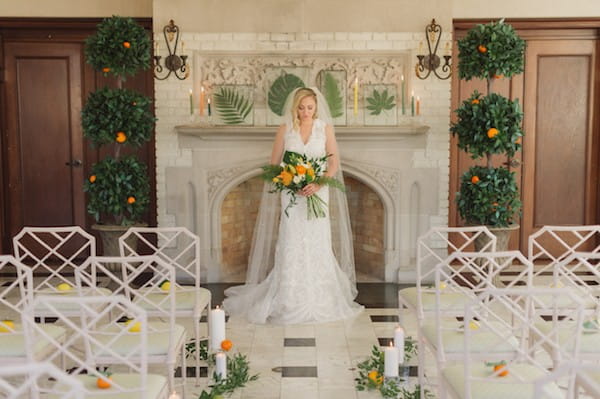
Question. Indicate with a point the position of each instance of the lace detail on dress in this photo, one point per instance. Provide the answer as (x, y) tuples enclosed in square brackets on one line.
[(306, 283)]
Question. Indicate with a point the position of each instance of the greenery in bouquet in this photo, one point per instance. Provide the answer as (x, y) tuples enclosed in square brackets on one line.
[(488, 125), (296, 172), (118, 189)]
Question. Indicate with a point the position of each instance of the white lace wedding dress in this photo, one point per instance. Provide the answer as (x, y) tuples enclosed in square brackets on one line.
[(306, 284)]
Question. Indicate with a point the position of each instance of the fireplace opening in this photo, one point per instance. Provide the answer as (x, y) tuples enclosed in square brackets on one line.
[(238, 216)]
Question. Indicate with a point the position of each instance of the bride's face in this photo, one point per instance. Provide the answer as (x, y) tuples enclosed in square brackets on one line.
[(307, 108)]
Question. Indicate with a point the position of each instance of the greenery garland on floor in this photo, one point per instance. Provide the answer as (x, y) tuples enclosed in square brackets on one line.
[(371, 375), (238, 368)]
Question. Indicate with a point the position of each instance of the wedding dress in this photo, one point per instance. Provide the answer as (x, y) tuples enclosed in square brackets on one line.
[(306, 283)]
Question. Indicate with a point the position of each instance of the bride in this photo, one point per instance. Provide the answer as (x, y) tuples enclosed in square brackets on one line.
[(300, 270)]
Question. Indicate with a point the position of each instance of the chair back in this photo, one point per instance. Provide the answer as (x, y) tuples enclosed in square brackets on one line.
[(38, 380)]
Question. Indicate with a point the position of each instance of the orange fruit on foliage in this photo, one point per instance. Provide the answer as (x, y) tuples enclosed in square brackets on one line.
[(498, 76), (375, 377), (300, 169), (475, 179), (493, 132), (103, 383), (475, 101), (482, 48), (501, 370), (121, 137), (92, 178), (226, 345), (126, 44), (106, 69), (131, 200), (518, 141)]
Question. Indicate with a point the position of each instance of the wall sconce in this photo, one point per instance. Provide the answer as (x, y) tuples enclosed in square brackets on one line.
[(431, 62), (173, 62)]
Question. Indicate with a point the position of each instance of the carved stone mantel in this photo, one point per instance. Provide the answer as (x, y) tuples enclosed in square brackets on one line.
[(381, 157)]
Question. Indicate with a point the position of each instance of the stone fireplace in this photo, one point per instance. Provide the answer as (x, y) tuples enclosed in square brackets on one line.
[(225, 163)]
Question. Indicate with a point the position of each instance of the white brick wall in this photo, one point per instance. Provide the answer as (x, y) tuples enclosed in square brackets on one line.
[(172, 96)]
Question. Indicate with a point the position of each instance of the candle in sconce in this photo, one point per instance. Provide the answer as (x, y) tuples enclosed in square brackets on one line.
[(418, 112), (355, 96), (412, 103), (208, 107), (221, 365), (182, 47), (217, 325), (399, 343), (420, 48), (390, 368), (447, 50), (191, 102), (201, 108), (403, 95)]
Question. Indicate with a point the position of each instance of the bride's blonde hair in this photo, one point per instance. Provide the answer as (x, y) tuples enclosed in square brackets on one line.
[(298, 97)]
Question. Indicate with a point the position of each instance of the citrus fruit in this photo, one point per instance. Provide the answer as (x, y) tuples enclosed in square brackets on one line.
[(126, 44), (135, 327), (131, 200), (103, 383), (7, 326), (493, 132), (482, 48), (64, 287), (475, 179), (165, 286), (226, 345), (503, 371)]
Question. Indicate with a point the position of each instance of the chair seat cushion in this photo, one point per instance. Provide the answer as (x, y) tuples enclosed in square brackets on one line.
[(13, 344), (481, 342), (66, 307), (589, 341), (156, 387), (518, 384), (187, 299), (454, 301), (158, 339)]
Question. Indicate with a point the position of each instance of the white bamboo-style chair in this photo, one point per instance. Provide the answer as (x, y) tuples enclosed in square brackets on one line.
[(505, 318), (432, 248), (14, 297), (181, 249), (578, 273), (53, 253), (38, 380), (587, 378), (139, 279), (95, 343), (464, 275)]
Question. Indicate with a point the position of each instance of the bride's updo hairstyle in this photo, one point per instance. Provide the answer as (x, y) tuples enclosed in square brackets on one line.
[(298, 97)]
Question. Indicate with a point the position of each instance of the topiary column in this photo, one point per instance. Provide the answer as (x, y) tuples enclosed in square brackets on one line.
[(118, 188), (489, 125)]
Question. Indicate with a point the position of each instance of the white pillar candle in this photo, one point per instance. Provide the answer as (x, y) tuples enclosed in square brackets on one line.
[(399, 343), (391, 361), (221, 365), (217, 328)]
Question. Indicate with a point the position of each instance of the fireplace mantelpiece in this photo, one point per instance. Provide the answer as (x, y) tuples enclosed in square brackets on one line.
[(381, 157)]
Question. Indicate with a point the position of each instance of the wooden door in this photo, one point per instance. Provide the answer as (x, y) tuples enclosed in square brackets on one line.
[(560, 149), (44, 143)]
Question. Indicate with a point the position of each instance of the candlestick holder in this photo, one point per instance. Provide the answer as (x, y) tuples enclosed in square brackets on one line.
[(428, 63), (173, 63)]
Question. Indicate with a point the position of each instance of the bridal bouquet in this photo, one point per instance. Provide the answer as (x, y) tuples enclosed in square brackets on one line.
[(294, 173)]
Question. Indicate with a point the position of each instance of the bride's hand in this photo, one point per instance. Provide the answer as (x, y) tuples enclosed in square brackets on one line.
[(310, 189)]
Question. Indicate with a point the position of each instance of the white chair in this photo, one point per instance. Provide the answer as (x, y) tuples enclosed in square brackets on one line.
[(95, 342), (14, 297), (181, 249), (139, 279), (35, 380), (458, 280), (506, 317), (53, 253)]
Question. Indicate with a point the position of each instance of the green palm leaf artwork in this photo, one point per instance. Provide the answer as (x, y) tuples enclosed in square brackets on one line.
[(333, 96), (379, 102), (232, 106), (281, 89)]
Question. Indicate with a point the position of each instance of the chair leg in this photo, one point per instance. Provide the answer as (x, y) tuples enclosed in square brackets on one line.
[(421, 366), (183, 371), (197, 345)]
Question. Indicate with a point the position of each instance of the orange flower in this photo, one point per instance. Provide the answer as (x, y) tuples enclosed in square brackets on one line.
[(226, 345), (286, 177), (300, 169), (482, 48), (493, 132), (375, 377), (121, 137), (475, 101), (475, 179), (92, 178), (106, 69), (131, 200), (126, 44)]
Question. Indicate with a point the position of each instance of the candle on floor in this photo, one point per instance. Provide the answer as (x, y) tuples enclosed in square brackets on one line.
[(391, 361), (217, 328), (355, 96), (221, 365), (208, 107), (399, 343), (418, 105), (402, 90), (191, 102), (412, 103)]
